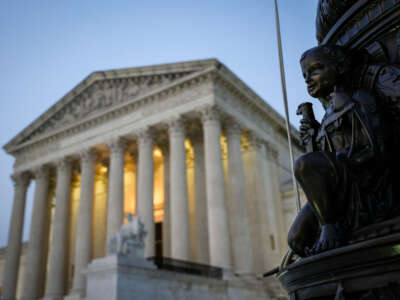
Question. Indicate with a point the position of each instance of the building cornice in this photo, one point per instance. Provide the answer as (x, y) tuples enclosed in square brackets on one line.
[(215, 72), (253, 100)]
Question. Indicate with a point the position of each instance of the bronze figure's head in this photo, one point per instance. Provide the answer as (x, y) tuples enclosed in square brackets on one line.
[(324, 68)]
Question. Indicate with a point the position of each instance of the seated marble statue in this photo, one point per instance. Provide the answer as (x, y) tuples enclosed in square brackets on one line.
[(346, 177), (129, 239)]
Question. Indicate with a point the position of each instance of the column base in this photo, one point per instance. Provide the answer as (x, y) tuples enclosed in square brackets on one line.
[(53, 297), (74, 297)]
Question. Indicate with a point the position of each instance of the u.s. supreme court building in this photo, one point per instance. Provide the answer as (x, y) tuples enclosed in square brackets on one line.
[(188, 147)]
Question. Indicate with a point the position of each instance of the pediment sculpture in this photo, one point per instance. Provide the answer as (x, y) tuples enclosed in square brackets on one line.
[(100, 96)]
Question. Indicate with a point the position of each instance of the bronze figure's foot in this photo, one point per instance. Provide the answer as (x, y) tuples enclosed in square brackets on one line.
[(331, 237)]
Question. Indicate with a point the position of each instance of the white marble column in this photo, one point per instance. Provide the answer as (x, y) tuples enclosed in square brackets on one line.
[(238, 210), (134, 156), (83, 244), (202, 240), (218, 228), (145, 207), (261, 239), (38, 238), (166, 231), (115, 201), (180, 248), (13, 251), (59, 239), (273, 196)]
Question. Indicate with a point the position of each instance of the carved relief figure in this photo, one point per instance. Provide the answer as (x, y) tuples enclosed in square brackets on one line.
[(346, 176)]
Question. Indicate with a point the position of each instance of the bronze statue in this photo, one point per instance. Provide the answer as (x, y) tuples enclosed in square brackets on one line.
[(346, 177), (349, 171)]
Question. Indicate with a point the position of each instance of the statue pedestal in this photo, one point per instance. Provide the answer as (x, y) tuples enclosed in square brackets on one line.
[(369, 269), (126, 278), (126, 274), (110, 277)]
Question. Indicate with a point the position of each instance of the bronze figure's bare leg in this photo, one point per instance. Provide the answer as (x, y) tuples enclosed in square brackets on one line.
[(322, 178), (306, 222)]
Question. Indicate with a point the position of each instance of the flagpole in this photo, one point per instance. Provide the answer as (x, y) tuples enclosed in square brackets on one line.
[(285, 102)]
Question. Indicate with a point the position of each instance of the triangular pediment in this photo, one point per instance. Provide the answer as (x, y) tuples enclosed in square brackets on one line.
[(100, 91)]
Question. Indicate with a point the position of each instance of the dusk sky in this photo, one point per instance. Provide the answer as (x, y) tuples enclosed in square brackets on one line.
[(47, 47)]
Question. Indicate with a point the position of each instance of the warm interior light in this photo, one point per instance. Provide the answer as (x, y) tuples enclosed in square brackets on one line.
[(157, 153), (103, 169), (187, 145)]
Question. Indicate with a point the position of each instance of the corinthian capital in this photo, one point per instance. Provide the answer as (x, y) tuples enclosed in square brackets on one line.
[(210, 113), (145, 136), (64, 163), (41, 172), (176, 125), (117, 145), (88, 155), (232, 127), (21, 179), (256, 141)]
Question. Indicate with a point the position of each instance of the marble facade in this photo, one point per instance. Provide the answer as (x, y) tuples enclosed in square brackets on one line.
[(187, 146)]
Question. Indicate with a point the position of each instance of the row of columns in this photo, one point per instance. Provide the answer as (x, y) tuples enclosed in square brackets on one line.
[(212, 222)]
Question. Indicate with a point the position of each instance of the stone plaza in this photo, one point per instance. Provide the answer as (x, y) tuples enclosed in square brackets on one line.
[(188, 147)]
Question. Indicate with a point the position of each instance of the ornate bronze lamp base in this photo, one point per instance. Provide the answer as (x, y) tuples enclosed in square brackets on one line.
[(368, 270)]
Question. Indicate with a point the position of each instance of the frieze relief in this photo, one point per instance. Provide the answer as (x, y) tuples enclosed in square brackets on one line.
[(102, 95), (34, 152)]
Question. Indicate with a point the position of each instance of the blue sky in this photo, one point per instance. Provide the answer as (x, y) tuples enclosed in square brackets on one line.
[(47, 47)]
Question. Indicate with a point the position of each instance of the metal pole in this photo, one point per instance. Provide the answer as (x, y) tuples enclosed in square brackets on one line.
[(285, 102)]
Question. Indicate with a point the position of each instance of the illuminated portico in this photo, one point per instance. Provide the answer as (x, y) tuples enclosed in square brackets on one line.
[(164, 143)]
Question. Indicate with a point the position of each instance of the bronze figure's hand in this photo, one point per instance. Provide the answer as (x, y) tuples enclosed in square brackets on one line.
[(308, 129), (309, 126)]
